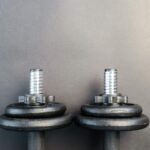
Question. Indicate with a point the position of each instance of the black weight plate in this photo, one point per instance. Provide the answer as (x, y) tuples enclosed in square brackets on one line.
[(114, 124), (22, 110), (123, 110), (38, 124)]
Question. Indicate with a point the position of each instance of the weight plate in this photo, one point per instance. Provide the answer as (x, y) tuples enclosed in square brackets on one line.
[(37, 124), (123, 110), (116, 124), (22, 110)]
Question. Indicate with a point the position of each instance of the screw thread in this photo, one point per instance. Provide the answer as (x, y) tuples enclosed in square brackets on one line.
[(36, 81), (110, 81)]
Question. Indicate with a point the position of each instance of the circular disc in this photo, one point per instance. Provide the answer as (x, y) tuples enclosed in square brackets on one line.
[(116, 124), (28, 111), (34, 124), (124, 110)]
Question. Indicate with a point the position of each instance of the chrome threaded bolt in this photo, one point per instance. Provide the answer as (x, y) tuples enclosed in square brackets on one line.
[(36, 95), (36, 81), (110, 95), (110, 82)]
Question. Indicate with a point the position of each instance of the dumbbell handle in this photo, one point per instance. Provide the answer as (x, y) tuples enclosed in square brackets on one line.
[(36, 141), (111, 140)]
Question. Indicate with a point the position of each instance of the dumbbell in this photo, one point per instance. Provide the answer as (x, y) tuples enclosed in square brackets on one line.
[(110, 112), (35, 113)]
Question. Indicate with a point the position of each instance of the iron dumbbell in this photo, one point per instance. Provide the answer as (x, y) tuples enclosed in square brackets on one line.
[(35, 113), (110, 112)]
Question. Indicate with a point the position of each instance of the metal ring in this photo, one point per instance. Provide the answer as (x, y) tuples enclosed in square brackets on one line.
[(114, 124), (122, 110), (28, 111), (37, 124)]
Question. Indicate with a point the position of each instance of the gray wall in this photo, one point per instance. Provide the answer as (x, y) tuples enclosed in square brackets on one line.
[(73, 41)]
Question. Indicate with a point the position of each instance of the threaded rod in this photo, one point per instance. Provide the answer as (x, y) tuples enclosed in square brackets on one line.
[(110, 81), (36, 81)]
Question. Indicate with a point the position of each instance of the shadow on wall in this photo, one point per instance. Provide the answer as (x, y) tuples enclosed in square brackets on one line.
[(9, 141)]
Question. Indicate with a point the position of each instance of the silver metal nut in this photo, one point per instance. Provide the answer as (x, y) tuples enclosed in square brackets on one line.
[(110, 99), (34, 99)]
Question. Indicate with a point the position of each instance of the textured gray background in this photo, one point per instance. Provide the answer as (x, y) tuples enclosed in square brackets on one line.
[(73, 41)]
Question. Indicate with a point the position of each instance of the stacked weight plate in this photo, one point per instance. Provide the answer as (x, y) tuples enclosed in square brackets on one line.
[(25, 117), (113, 117)]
